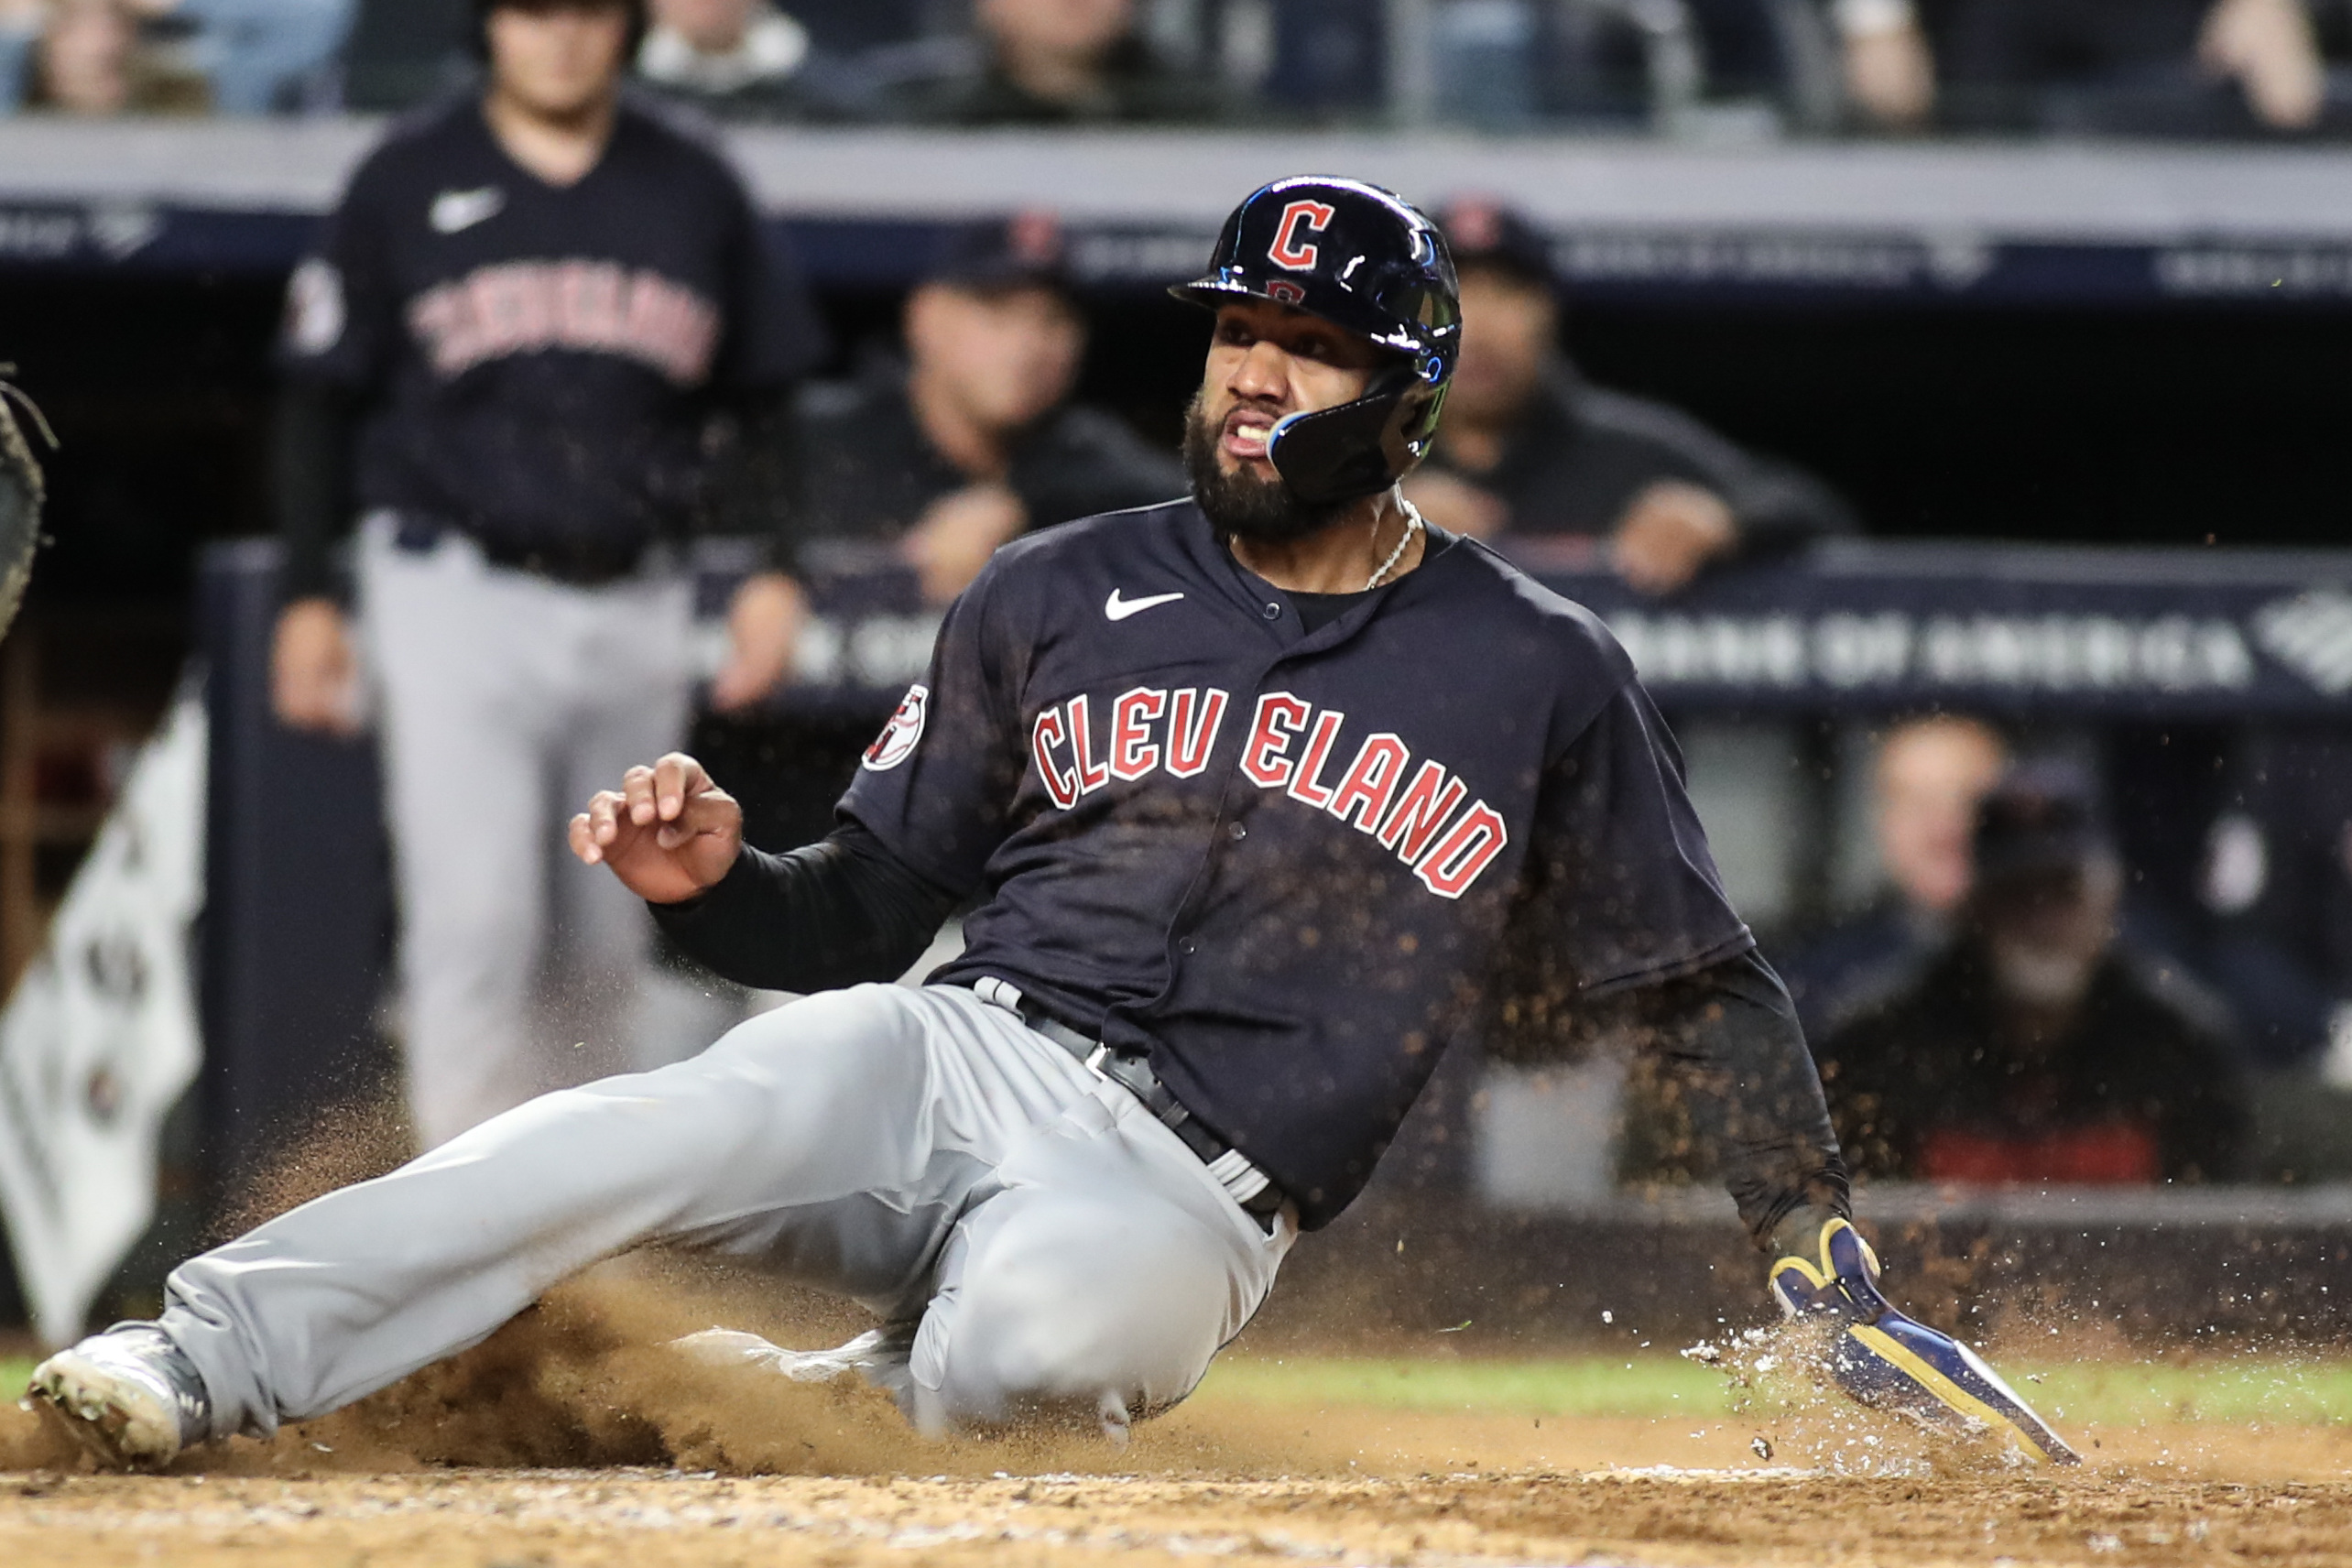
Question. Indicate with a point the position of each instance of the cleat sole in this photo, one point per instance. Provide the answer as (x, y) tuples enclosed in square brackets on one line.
[(81, 1402)]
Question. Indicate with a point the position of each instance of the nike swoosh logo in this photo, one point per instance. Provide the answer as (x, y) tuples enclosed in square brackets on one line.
[(1118, 609), (454, 212)]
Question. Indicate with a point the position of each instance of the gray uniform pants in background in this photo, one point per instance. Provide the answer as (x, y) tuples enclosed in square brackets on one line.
[(1046, 1248), (507, 700)]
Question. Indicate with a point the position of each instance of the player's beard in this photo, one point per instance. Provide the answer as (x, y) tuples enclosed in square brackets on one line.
[(1240, 505)]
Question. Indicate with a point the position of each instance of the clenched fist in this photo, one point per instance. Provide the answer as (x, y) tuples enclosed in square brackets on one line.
[(668, 831)]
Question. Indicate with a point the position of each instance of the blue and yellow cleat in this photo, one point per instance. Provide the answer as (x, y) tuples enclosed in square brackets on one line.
[(1885, 1360)]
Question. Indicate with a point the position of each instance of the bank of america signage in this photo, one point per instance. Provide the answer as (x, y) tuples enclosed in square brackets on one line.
[(2305, 639)]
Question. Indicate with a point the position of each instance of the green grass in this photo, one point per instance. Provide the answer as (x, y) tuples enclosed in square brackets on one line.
[(2116, 1393), (2282, 1393), (1582, 1386)]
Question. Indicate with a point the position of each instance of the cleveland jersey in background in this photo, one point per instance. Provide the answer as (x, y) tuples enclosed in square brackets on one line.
[(514, 382), (539, 360)]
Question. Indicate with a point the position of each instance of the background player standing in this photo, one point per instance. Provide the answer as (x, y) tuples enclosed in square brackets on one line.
[(506, 356), (1263, 794)]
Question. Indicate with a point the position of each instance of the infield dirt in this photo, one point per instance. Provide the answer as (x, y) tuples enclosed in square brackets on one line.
[(1297, 1511)]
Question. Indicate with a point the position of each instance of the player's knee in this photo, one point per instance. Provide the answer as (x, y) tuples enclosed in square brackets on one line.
[(1086, 1339), (1005, 1372)]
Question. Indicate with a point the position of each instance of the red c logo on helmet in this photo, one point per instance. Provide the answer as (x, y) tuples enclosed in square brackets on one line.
[(1289, 249)]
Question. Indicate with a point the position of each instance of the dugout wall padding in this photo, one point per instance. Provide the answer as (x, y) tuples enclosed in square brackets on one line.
[(298, 926)]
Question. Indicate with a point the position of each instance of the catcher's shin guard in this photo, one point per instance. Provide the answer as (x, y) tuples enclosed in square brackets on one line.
[(1887, 1361)]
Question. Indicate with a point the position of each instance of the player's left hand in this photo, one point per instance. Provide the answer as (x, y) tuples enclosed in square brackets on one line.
[(1885, 1360), (764, 624), (1668, 533), (669, 832)]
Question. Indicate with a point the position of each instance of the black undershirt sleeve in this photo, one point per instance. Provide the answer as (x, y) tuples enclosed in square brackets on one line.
[(839, 912), (1729, 1038), (310, 474)]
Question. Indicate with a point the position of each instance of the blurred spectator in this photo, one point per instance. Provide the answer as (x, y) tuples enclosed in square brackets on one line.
[(262, 55), (971, 440), (1528, 447), (1323, 60), (2035, 1049), (20, 29), (743, 59), (1045, 62), (1930, 775), (2145, 67), (2278, 883), (115, 57), (1508, 65), (91, 58), (1889, 70)]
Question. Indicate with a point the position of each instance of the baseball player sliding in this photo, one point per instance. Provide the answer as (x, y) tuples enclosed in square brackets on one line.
[(1262, 797)]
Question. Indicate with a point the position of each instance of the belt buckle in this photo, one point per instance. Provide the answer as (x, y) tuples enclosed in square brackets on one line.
[(1094, 1062)]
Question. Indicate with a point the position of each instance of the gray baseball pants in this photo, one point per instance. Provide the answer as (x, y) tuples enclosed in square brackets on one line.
[(508, 700), (1045, 1249)]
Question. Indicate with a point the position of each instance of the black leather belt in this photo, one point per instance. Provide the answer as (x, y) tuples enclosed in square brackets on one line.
[(1251, 1187), (585, 565)]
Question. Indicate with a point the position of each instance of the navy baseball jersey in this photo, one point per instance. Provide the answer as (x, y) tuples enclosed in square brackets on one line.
[(540, 360), (1283, 861)]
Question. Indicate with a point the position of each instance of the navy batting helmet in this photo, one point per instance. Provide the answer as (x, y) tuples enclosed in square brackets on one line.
[(1366, 260), (640, 19)]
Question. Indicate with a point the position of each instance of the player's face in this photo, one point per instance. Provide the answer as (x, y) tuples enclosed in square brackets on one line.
[(1267, 360), (1004, 356), (557, 59)]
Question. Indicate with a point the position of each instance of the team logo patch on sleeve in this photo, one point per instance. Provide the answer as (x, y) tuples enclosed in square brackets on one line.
[(899, 737)]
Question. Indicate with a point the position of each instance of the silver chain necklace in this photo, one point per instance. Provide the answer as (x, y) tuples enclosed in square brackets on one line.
[(1412, 526)]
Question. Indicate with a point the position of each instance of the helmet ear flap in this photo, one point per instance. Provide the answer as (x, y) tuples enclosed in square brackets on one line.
[(1361, 448)]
